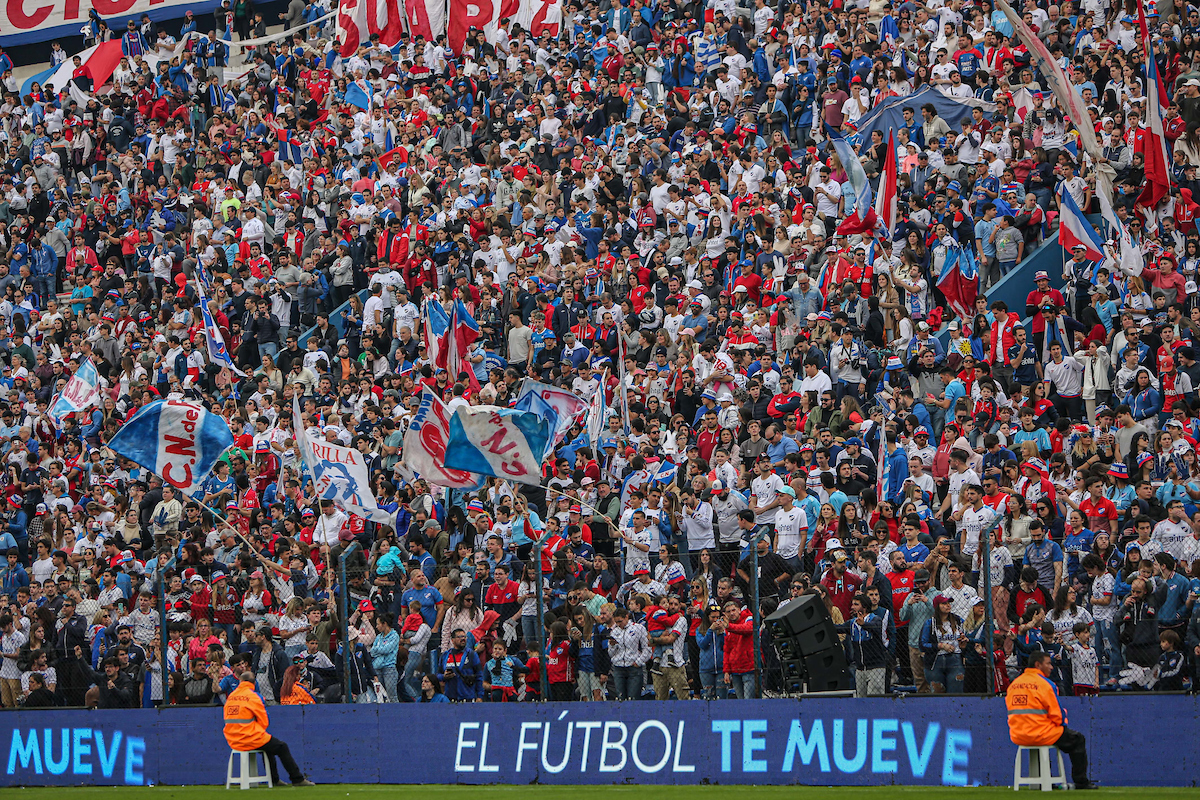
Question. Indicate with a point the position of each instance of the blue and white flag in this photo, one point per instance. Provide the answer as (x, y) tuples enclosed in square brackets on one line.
[(568, 404), (597, 418), (535, 403), (664, 473), (633, 481), (502, 442), (217, 351), (359, 93), (339, 474), (82, 391), (176, 440)]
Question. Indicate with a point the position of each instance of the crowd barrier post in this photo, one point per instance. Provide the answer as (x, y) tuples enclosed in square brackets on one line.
[(344, 622)]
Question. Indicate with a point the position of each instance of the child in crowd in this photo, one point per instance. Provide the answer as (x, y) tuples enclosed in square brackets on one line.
[(1085, 665)]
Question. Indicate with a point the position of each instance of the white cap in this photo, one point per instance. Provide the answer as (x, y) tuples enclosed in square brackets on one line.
[(833, 544), (695, 284), (717, 486)]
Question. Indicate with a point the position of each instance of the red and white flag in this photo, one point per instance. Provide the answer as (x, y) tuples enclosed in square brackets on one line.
[(885, 200), (1151, 141), (425, 18), (357, 20)]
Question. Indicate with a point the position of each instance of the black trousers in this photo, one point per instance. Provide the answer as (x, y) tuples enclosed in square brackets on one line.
[(1075, 746), (277, 748)]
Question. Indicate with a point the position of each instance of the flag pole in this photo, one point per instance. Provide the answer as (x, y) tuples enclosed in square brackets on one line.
[(593, 509), (624, 389)]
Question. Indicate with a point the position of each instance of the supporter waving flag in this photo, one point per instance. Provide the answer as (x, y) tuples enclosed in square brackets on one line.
[(502, 442), (176, 440), (959, 281), (861, 218), (82, 391)]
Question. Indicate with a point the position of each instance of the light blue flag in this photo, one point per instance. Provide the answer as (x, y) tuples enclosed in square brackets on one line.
[(536, 404), (502, 442), (175, 439), (82, 391)]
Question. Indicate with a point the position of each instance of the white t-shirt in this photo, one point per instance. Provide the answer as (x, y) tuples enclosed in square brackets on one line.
[(698, 527), (974, 522), (635, 558), (1103, 586), (764, 491), (1172, 537), (374, 303), (790, 529), (959, 480)]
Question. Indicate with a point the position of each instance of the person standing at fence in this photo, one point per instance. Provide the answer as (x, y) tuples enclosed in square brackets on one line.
[(629, 651), (1035, 718), (246, 729), (671, 671)]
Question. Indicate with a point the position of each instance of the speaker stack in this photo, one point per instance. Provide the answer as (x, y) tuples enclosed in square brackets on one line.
[(810, 654)]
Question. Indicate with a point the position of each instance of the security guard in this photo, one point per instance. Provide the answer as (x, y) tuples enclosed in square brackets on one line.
[(246, 729), (1036, 720)]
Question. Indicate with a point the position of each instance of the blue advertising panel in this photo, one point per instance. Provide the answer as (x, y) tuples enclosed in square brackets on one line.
[(913, 741)]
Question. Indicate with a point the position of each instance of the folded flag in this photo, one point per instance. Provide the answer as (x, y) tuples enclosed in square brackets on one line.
[(82, 391), (175, 439), (502, 442)]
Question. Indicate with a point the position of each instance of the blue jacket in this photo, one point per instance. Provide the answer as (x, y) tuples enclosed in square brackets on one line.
[(1144, 404), (1172, 599), (465, 681), (44, 261), (762, 67), (12, 579), (383, 650), (18, 525), (897, 471), (712, 652)]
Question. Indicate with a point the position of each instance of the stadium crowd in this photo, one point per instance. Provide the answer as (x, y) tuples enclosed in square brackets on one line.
[(647, 206)]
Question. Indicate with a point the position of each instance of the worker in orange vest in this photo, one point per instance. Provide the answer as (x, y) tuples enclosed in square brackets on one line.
[(1035, 718), (246, 729)]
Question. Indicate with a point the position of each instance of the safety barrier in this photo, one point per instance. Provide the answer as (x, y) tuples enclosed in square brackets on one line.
[(960, 741)]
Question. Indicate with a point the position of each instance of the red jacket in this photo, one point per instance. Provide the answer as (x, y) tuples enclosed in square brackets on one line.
[(739, 644), (1002, 335)]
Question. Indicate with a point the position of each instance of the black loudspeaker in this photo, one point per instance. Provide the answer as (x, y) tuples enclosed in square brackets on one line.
[(796, 616), (789, 649), (827, 671), (814, 640), (793, 669), (806, 621)]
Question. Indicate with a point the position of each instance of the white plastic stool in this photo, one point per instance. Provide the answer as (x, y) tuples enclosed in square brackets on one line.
[(248, 775), (1040, 774)]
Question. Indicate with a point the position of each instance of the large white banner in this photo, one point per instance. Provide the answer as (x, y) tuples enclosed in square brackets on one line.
[(27, 21), (358, 19), (536, 16), (425, 18)]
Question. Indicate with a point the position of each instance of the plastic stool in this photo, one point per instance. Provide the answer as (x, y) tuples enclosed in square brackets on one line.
[(1040, 774), (248, 775)]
